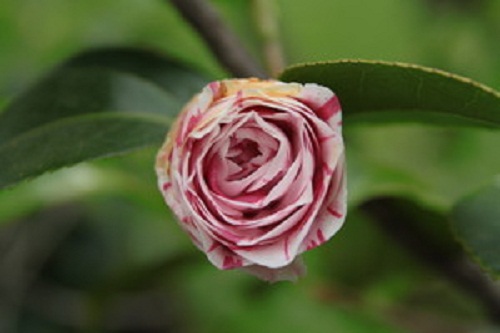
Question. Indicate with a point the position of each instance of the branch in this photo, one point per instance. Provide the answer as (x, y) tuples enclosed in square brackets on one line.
[(403, 226), (265, 17), (219, 38)]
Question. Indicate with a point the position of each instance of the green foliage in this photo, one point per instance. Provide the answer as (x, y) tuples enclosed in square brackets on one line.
[(402, 92), (69, 141), (476, 221), (126, 248), (100, 103)]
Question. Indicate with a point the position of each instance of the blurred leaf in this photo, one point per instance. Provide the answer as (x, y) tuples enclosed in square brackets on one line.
[(71, 92), (103, 80), (177, 79), (476, 221), (100, 103), (429, 163), (374, 90), (118, 246), (69, 141)]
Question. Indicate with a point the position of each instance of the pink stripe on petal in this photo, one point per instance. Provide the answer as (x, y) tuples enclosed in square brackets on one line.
[(321, 237), (193, 121), (214, 86), (327, 169), (312, 244), (214, 246), (187, 221), (329, 109), (195, 239), (334, 212), (287, 253), (326, 138), (231, 262), (315, 96), (239, 99)]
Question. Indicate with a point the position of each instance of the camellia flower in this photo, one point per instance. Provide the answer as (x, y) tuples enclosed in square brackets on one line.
[(254, 171)]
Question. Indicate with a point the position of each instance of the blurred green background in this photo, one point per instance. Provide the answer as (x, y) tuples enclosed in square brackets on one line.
[(93, 248)]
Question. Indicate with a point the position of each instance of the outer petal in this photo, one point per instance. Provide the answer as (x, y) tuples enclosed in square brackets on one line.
[(332, 213), (324, 102), (291, 272)]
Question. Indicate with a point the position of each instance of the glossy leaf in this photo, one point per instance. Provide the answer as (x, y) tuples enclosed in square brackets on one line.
[(393, 92), (99, 103), (476, 221)]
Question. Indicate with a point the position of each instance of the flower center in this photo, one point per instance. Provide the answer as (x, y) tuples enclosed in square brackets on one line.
[(243, 152)]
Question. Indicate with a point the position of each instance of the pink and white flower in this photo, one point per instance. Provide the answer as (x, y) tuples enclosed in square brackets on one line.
[(255, 172)]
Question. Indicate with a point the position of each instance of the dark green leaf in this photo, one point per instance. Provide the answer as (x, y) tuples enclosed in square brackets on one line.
[(476, 221), (99, 103), (73, 92), (175, 78), (72, 140), (105, 80), (373, 90)]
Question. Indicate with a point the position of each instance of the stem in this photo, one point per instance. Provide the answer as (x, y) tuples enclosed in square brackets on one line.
[(226, 47), (392, 218), (265, 17)]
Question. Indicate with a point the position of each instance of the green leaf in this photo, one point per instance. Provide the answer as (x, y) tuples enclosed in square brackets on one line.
[(177, 79), (394, 92), (99, 103), (476, 221), (72, 140), (117, 79), (71, 92)]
